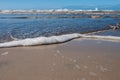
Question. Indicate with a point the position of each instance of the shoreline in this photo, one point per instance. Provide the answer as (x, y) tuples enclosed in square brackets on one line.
[(39, 41)]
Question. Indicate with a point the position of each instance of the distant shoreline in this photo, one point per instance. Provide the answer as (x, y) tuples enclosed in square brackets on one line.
[(64, 11)]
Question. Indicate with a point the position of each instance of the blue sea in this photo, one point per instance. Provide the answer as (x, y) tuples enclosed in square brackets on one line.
[(35, 29)]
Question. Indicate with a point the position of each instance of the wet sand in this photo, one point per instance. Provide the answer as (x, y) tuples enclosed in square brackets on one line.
[(74, 60)]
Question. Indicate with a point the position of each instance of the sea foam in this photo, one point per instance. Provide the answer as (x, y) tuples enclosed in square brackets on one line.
[(40, 40), (54, 39)]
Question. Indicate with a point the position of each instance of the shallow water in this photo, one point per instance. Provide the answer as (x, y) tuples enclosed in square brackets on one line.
[(23, 26)]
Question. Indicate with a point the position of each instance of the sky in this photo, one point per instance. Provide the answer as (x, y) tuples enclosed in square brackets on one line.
[(51, 4)]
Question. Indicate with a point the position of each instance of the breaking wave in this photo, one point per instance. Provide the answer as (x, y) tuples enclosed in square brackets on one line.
[(54, 40)]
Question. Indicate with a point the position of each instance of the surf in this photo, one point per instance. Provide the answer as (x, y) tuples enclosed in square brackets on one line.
[(54, 40)]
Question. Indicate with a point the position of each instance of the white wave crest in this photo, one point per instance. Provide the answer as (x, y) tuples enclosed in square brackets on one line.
[(39, 40), (54, 39)]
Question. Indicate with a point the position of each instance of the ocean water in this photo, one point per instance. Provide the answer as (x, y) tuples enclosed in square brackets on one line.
[(53, 28)]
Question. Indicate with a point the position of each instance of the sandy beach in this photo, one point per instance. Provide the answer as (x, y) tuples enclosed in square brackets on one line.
[(78, 59)]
